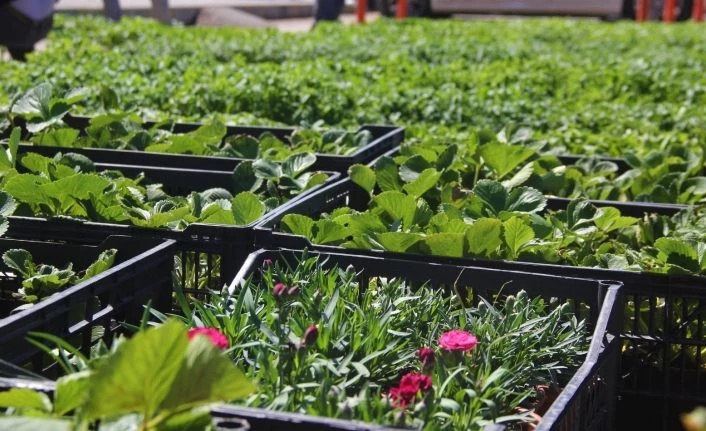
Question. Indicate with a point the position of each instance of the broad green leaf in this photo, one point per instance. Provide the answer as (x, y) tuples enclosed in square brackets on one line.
[(425, 181), (104, 262), (520, 177), (140, 374), (328, 231), (247, 208), (75, 160), (445, 244), (79, 186), (63, 137), (7, 205), (35, 102), (70, 393), (179, 144), (316, 179), (517, 234), (25, 399), (504, 158), (192, 420), (492, 194), (218, 212), (20, 260), (267, 169), (209, 133), (295, 164), (397, 205), (244, 178), (483, 236), (76, 95), (363, 176), (34, 424), (678, 252), (386, 174), (8, 156), (244, 146), (215, 194), (413, 167), (609, 219), (298, 224), (526, 200), (398, 241), (206, 376), (446, 157), (26, 188)]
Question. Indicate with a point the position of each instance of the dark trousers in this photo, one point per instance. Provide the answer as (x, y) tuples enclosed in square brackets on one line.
[(19, 33), (328, 10)]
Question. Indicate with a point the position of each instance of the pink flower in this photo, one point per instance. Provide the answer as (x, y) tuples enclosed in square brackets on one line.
[(279, 289), (457, 340), (410, 386), (310, 335), (426, 356), (266, 263), (214, 335)]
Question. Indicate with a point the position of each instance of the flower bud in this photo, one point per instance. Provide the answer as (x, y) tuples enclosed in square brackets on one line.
[(310, 335), (426, 357), (266, 263), (279, 290)]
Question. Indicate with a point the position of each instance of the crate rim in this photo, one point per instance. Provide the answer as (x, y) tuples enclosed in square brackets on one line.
[(391, 130), (604, 332), (160, 246)]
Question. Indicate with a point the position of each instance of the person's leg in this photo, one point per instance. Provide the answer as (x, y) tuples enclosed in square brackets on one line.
[(328, 10), (19, 54), (19, 33)]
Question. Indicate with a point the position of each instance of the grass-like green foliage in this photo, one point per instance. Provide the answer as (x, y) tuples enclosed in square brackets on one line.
[(367, 339)]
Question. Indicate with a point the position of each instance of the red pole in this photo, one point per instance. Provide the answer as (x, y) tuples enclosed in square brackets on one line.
[(642, 10), (360, 10), (401, 9), (668, 12), (697, 12)]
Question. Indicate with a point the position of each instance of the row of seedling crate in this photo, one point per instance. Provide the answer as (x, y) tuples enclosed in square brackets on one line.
[(643, 367)]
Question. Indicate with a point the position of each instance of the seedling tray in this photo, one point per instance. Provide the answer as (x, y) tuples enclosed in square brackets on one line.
[(657, 332), (627, 208), (141, 274), (218, 246), (384, 138), (587, 400)]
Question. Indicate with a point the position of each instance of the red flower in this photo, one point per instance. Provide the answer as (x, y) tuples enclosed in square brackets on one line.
[(410, 386), (426, 356), (458, 340), (310, 335), (217, 338)]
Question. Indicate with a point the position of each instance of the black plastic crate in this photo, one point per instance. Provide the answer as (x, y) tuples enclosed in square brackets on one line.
[(628, 208), (663, 367), (384, 139), (219, 247), (586, 402), (141, 274)]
